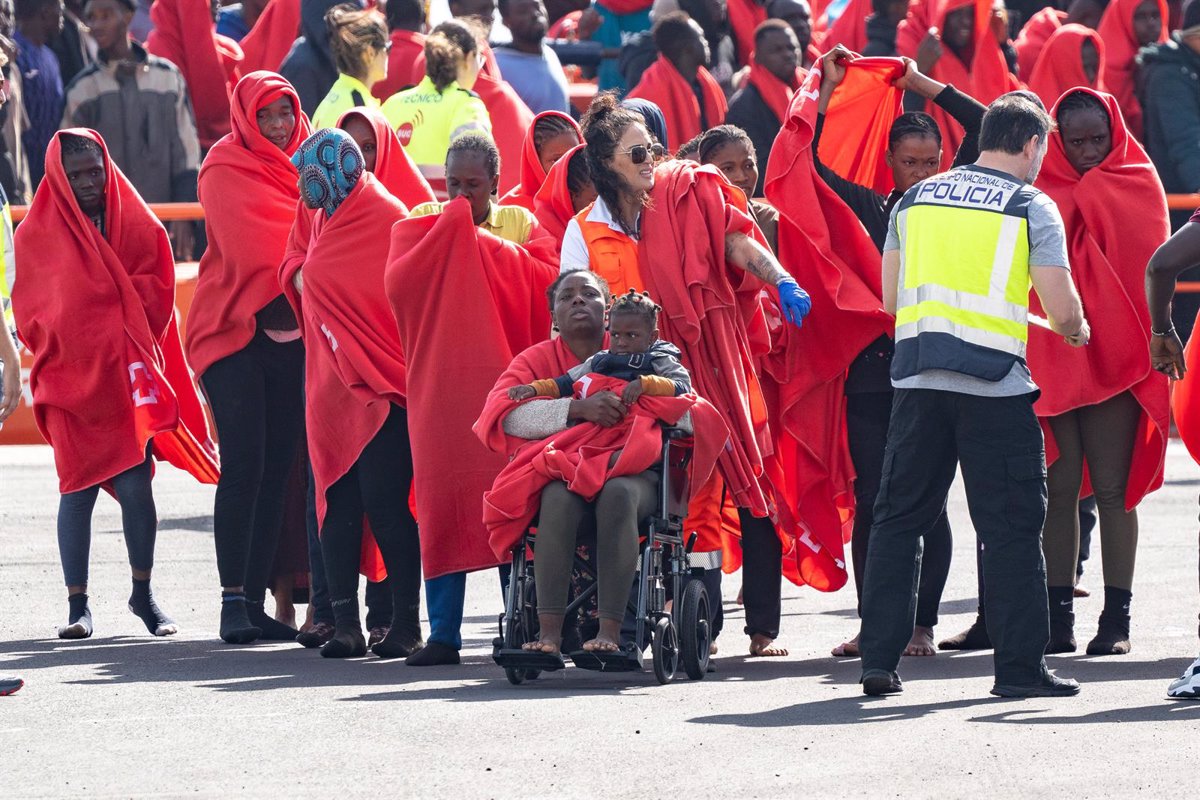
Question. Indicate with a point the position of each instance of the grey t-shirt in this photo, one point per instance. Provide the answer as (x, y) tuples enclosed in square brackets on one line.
[(1047, 248)]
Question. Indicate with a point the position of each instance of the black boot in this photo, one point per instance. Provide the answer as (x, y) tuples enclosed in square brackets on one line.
[(973, 638), (1112, 636), (347, 641), (235, 625), (1062, 620)]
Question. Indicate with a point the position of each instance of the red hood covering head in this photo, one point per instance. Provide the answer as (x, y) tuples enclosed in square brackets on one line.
[(247, 230), (185, 34), (1033, 37), (552, 205), (532, 174), (465, 303), (985, 77), (394, 167), (825, 247), (1120, 48), (272, 36), (407, 47), (98, 313), (662, 85), (1109, 247), (1060, 66)]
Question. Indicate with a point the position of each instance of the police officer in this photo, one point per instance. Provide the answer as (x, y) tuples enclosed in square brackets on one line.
[(962, 249)]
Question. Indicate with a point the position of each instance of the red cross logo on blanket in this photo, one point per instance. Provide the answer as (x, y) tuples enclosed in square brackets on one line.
[(145, 389)]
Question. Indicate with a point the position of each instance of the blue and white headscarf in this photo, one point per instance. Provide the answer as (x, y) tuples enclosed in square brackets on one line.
[(330, 164)]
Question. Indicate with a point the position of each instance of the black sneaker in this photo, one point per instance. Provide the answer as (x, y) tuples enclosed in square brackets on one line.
[(1049, 686), (879, 682), (316, 636)]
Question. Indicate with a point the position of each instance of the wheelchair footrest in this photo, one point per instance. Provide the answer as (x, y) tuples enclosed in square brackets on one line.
[(517, 658), (627, 659)]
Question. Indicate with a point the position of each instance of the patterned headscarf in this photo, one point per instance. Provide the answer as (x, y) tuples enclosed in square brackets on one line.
[(330, 164)]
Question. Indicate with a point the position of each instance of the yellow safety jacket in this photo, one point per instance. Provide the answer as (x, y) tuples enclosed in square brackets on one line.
[(963, 301)]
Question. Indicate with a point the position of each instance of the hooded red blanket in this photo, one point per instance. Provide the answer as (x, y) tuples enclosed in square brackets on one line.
[(394, 167), (1060, 66), (744, 17), (1109, 248), (1033, 37), (580, 456), (1120, 49), (247, 230), (465, 302), (272, 36), (186, 35), (662, 85), (984, 76), (552, 205), (407, 47), (532, 174), (98, 314), (824, 245)]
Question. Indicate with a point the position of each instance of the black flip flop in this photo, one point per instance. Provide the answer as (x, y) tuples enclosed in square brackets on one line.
[(519, 658), (627, 659)]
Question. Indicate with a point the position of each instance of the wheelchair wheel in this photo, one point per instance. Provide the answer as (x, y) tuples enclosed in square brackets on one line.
[(523, 629), (665, 649), (694, 634)]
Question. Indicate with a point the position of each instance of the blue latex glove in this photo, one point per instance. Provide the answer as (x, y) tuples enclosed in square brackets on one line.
[(795, 301)]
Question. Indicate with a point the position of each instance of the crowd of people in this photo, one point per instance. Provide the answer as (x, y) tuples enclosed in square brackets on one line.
[(849, 247)]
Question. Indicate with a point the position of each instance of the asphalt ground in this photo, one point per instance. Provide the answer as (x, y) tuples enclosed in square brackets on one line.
[(127, 715)]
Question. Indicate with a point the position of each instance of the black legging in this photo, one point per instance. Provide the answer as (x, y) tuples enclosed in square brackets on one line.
[(257, 399), (867, 419), (139, 522), (376, 485), (762, 573)]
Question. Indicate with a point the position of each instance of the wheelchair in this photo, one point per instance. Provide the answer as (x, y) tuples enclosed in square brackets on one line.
[(678, 635)]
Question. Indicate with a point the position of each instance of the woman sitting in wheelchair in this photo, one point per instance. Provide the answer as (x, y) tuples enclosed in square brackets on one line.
[(583, 429)]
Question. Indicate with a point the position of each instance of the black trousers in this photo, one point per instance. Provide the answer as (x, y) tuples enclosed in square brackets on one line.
[(998, 443), (257, 398), (867, 418), (762, 574), (377, 486)]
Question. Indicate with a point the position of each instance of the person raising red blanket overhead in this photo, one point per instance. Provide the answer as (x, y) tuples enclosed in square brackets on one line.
[(243, 341), (273, 34), (185, 34), (678, 76), (1102, 404), (1128, 26), (95, 305), (567, 191), (971, 58), (1073, 56), (548, 139)]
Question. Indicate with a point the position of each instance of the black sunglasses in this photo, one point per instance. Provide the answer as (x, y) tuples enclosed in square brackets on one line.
[(640, 152)]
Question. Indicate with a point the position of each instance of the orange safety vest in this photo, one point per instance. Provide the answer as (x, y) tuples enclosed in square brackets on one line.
[(612, 255)]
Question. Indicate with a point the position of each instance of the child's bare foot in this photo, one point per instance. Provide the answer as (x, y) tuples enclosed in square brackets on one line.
[(763, 647), (921, 643), (847, 649)]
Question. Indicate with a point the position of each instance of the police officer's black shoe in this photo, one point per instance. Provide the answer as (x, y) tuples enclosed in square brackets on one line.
[(878, 682), (1049, 686)]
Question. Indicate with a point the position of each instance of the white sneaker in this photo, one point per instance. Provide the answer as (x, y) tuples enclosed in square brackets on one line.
[(1187, 685)]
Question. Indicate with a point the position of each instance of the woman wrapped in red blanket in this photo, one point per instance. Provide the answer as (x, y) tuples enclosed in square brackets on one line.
[(1101, 405), (549, 138), (566, 191), (95, 304)]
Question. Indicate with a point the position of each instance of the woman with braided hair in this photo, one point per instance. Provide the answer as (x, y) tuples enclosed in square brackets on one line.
[(551, 136)]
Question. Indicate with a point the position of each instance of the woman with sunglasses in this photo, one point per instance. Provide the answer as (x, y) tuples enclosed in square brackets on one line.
[(360, 47), (442, 107), (641, 209)]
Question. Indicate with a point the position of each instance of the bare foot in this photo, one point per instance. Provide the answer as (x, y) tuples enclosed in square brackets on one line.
[(921, 643), (712, 649), (601, 644), (1081, 592), (542, 646), (846, 649), (739, 600), (762, 647)]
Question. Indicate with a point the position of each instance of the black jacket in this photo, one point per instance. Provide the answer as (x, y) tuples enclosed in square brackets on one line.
[(881, 36), (1169, 89), (751, 113), (309, 65)]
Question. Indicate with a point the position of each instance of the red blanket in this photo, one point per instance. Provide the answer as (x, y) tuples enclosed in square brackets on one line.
[(465, 302), (407, 47), (532, 174), (580, 456), (98, 315), (775, 93), (1109, 249), (863, 108), (247, 230), (394, 167), (744, 17), (1033, 37), (1120, 49), (1060, 66), (272, 36), (663, 85), (185, 34), (552, 205), (850, 29), (985, 77), (824, 245)]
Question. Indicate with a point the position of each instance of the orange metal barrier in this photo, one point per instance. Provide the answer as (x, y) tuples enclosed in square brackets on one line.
[(167, 212)]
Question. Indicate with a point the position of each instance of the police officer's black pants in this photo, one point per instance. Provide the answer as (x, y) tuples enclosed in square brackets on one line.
[(999, 445)]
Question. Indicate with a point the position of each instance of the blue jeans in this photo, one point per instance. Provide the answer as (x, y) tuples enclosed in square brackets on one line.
[(446, 595)]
